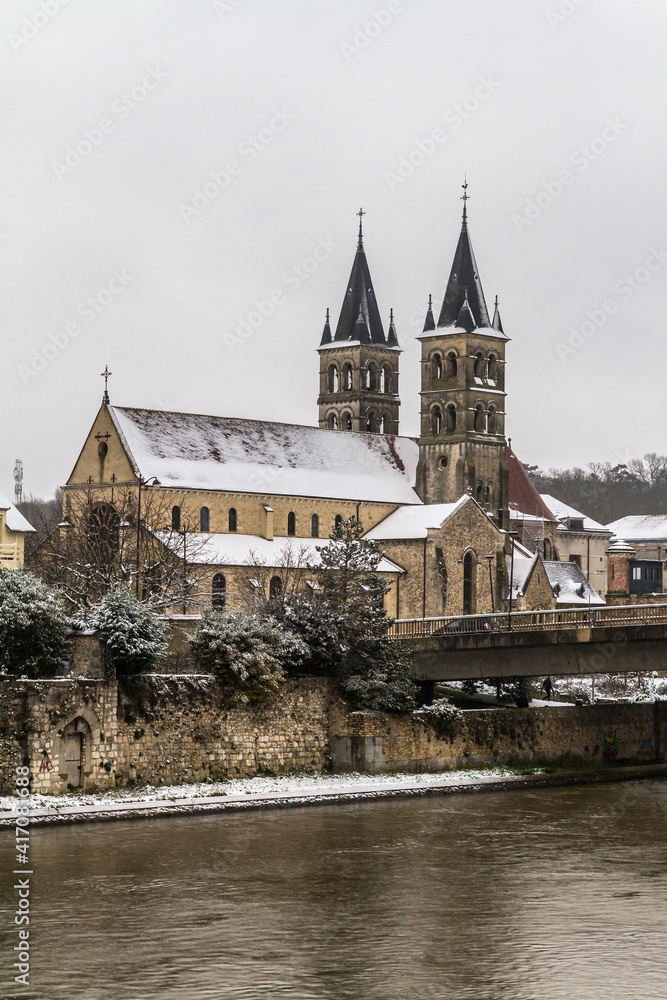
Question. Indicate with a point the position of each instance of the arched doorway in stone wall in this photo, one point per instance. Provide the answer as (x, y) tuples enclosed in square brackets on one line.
[(74, 748)]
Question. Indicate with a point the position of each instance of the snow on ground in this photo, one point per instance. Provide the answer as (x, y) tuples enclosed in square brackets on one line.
[(293, 784)]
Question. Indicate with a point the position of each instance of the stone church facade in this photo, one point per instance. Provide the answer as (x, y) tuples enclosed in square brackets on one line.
[(439, 505)]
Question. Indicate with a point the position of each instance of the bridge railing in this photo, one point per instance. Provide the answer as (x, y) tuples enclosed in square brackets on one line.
[(524, 621)]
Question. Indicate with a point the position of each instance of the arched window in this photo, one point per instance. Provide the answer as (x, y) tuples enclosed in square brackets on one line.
[(338, 521), (333, 422), (479, 496), (387, 379), (275, 587), (219, 592), (384, 424), (436, 367), (346, 421), (491, 422), (372, 422), (479, 418), (347, 376), (232, 519), (315, 526), (488, 494), (332, 380), (175, 518), (371, 377), (103, 530), (450, 365), (492, 373), (480, 365), (450, 417), (436, 420), (204, 519), (291, 523), (469, 584)]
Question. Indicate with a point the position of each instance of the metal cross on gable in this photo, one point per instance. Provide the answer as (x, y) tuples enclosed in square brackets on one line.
[(105, 375)]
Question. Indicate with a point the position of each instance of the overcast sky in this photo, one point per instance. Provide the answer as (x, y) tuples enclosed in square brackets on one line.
[(172, 165)]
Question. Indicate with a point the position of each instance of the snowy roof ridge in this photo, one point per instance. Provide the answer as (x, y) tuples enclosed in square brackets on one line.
[(14, 519), (415, 521), (563, 511)]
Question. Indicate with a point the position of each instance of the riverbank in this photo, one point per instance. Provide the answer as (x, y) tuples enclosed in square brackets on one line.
[(297, 790)]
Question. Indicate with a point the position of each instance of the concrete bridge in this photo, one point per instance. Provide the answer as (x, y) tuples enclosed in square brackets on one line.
[(534, 643)]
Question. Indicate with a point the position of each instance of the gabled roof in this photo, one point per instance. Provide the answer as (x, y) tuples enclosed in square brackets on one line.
[(523, 496), (14, 519), (197, 451), (414, 522), (641, 528), (359, 321), (570, 584), (464, 280), (563, 513)]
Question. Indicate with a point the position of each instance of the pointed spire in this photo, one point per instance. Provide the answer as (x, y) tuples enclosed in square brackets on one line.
[(497, 322), (465, 319), (360, 243), (360, 297), (326, 333), (464, 277), (392, 336), (429, 322)]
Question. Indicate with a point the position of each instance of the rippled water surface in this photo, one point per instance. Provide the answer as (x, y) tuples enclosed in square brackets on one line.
[(531, 895)]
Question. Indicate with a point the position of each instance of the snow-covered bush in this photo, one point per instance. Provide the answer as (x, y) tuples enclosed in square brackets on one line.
[(443, 716), (320, 627), (133, 634), (248, 653), (33, 626)]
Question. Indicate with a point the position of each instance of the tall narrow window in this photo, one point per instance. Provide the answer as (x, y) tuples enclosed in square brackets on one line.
[(450, 415), (175, 518), (347, 377), (338, 522), (436, 420), (436, 367), (275, 587), (332, 379), (232, 519), (347, 422), (479, 418), (315, 526), (219, 592), (291, 523), (333, 422), (450, 365), (491, 423), (469, 595), (204, 519)]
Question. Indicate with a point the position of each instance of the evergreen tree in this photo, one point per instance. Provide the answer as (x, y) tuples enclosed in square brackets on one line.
[(33, 626), (132, 632)]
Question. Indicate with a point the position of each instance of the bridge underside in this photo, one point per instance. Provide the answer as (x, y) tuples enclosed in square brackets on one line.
[(533, 654)]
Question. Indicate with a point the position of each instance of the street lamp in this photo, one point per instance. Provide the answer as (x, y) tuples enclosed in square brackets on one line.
[(152, 481), (512, 535)]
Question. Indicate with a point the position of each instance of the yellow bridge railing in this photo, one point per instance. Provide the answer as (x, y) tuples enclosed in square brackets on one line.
[(526, 621)]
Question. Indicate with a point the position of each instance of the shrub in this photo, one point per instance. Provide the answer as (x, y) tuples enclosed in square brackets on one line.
[(444, 717), (248, 653), (33, 625), (132, 632)]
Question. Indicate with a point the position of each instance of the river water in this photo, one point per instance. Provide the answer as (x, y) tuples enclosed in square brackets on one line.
[(524, 895)]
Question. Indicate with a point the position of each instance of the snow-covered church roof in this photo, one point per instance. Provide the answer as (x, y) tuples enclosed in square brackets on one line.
[(414, 522), (196, 451)]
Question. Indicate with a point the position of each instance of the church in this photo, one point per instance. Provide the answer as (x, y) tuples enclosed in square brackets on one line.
[(248, 493)]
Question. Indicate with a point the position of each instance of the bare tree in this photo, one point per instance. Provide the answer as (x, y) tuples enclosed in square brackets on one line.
[(259, 583), (104, 539)]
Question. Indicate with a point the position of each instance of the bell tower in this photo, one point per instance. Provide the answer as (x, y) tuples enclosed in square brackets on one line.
[(358, 364), (462, 442)]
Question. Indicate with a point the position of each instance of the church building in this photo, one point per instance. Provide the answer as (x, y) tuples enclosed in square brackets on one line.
[(246, 495)]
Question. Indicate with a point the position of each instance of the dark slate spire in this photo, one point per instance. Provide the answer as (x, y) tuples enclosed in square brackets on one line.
[(392, 336), (429, 322), (360, 332), (464, 277), (497, 322), (326, 333), (465, 319), (360, 297)]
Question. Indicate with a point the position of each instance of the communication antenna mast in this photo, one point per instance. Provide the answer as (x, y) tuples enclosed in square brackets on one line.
[(18, 481)]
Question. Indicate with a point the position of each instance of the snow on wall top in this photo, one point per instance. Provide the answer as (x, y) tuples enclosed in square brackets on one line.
[(231, 549), (195, 451), (14, 519), (414, 522), (641, 527), (562, 511)]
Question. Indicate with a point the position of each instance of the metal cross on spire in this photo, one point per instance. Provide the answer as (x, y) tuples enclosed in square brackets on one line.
[(361, 214), (105, 375), (465, 196)]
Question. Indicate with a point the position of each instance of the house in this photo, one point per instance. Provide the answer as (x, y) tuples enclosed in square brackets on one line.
[(13, 529), (581, 540), (646, 533)]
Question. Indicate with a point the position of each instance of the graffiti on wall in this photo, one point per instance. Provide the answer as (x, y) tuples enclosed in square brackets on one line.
[(610, 745)]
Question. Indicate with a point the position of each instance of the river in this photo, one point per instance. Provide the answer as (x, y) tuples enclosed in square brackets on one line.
[(524, 895)]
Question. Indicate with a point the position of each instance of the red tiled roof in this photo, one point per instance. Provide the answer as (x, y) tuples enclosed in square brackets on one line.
[(523, 495)]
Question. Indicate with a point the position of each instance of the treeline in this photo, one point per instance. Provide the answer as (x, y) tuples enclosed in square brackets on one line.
[(607, 492)]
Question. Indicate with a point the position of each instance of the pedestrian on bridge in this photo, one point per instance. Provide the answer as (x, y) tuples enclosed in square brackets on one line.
[(547, 686)]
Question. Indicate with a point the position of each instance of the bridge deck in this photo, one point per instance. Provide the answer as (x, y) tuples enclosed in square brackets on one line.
[(531, 621)]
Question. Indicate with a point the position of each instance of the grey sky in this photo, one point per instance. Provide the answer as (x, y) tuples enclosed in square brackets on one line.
[(335, 94)]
